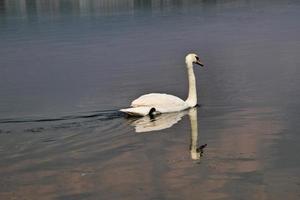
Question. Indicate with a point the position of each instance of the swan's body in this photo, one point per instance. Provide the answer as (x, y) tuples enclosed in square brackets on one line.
[(164, 103)]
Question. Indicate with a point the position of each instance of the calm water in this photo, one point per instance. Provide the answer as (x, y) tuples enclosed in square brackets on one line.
[(67, 66)]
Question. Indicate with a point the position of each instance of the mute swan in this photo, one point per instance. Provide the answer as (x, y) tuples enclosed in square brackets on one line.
[(156, 103)]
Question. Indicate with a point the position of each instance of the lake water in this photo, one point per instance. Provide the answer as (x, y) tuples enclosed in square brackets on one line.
[(68, 66)]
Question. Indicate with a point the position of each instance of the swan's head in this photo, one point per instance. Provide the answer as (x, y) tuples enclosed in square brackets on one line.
[(191, 59)]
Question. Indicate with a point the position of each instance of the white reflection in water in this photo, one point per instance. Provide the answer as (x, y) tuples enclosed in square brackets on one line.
[(195, 152), (159, 122), (167, 120)]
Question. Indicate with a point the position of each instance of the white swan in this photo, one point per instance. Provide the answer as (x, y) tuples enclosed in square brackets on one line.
[(155, 103)]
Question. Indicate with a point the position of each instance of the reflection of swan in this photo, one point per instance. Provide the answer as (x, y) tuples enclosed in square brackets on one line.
[(195, 154), (167, 120), (160, 122), (165, 103)]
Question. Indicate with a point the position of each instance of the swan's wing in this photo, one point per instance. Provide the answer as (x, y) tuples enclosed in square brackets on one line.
[(163, 103), (158, 100)]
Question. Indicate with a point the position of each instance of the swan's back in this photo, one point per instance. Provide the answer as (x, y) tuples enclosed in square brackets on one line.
[(161, 102)]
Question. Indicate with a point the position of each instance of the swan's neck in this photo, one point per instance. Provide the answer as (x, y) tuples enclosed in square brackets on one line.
[(192, 98)]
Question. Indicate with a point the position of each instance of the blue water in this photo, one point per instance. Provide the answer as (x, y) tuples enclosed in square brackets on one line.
[(68, 66)]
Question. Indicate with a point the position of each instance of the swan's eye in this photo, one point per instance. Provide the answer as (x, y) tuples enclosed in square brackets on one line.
[(197, 58)]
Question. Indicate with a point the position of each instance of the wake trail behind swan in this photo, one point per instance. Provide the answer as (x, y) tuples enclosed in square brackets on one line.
[(99, 115)]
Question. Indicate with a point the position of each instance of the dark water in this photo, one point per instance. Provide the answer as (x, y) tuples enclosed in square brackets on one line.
[(67, 66)]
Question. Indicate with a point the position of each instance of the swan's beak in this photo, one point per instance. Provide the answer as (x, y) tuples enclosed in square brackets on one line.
[(198, 62)]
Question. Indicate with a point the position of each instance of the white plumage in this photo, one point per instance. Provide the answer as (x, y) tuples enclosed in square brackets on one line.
[(154, 103), (161, 102)]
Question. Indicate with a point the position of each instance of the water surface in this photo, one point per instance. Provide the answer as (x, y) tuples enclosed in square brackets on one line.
[(66, 67)]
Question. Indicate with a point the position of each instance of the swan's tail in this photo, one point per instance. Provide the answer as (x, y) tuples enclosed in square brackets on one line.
[(139, 111)]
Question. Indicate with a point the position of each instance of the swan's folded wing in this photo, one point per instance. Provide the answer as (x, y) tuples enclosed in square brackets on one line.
[(158, 100)]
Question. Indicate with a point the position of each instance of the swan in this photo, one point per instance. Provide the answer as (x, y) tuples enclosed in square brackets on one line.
[(157, 103)]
